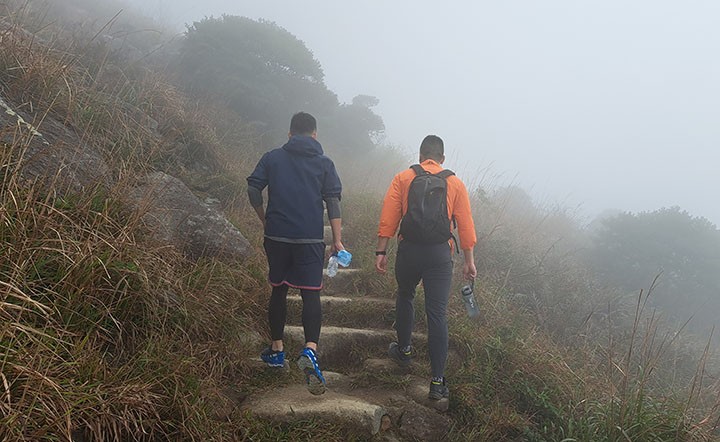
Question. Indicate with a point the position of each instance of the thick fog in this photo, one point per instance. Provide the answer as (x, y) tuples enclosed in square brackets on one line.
[(593, 104)]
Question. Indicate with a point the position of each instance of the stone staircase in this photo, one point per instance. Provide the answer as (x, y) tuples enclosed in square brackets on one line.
[(368, 393)]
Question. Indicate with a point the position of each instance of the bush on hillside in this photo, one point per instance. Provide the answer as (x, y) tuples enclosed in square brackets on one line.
[(630, 250)]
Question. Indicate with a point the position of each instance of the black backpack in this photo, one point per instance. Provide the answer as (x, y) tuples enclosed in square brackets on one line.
[(426, 220)]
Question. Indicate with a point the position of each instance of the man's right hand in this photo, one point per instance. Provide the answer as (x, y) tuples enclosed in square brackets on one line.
[(469, 270), (381, 264), (337, 246)]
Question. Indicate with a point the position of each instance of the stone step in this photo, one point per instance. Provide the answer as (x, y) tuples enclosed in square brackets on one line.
[(342, 346), (411, 415), (255, 366), (388, 366), (383, 364), (418, 390), (365, 311), (342, 283), (294, 403), (403, 412)]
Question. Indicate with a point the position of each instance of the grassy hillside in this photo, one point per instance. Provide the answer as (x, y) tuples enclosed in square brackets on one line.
[(107, 335)]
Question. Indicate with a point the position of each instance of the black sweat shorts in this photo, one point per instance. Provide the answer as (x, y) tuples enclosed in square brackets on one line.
[(296, 265)]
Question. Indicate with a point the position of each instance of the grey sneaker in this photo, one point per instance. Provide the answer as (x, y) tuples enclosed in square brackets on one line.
[(438, 390), (400, 357)]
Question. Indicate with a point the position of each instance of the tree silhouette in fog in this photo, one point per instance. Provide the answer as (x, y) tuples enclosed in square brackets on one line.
[(631, 249), (265, 73), (258, 67)]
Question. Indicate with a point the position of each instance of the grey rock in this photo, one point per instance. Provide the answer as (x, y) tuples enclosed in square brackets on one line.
[(419, 422), (51, 154), (173, 214)]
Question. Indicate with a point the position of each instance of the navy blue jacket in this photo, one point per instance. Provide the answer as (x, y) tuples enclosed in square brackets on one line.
[(299, 177)]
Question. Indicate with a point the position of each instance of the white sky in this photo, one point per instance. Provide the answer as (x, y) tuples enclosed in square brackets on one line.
[(591, 104)]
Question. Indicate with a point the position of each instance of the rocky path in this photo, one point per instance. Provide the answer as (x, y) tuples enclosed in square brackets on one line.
[(367, 392)]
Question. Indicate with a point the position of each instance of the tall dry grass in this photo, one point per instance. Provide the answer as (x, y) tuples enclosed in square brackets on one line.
[(558, 356), (104, 335)]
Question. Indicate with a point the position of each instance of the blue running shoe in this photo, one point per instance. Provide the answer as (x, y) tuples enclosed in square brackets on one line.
[(313, 376), (273, 358)]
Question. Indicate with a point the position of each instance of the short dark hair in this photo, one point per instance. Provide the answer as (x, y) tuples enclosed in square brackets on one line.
[(432, 147), (302, 123)]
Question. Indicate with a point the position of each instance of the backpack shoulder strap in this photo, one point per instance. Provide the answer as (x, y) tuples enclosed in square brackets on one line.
[(418, 169), (444, 174)]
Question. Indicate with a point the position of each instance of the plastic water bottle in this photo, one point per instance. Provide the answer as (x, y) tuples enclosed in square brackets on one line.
[(469, 299), (332, 267), (341, 257), (344, 257)]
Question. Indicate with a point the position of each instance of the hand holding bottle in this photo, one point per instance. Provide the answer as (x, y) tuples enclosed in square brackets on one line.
[(341, 257), (469, 299)]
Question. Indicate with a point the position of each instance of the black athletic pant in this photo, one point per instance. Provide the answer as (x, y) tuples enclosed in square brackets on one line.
[(311, 313), (431, 263)]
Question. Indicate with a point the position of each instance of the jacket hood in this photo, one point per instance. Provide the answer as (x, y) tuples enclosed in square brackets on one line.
[(303, 145)]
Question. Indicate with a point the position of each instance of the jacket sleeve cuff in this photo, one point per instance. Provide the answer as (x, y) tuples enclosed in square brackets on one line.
[(255, 196), (333, 207)]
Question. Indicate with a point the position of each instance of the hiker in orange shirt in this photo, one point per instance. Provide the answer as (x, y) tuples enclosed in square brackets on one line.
[(424, 201)]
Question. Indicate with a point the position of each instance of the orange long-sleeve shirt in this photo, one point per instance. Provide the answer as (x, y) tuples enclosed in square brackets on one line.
[(395, 205)]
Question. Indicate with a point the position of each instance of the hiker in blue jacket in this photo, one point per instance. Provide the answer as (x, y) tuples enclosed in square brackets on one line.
[(299, 177)]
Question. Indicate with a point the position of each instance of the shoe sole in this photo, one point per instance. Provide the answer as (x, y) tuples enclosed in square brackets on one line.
[(269, 361), (314, 384), (274, 365)]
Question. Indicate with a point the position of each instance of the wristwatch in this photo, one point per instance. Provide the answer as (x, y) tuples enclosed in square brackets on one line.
[(380, 252)]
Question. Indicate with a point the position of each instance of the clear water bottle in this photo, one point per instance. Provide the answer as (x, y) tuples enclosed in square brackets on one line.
[(332, 267), (469, 299)]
